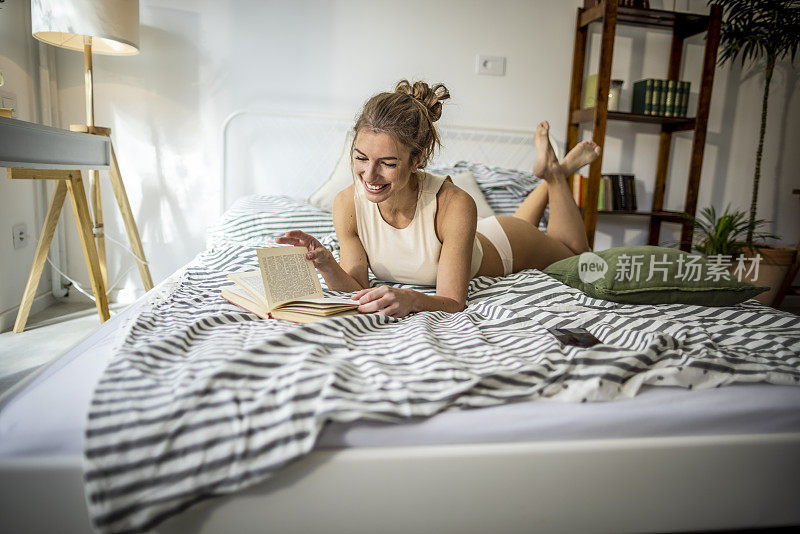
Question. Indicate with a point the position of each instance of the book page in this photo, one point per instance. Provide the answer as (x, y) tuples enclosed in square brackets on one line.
[(287, 275), (251, 281), (238, 296)]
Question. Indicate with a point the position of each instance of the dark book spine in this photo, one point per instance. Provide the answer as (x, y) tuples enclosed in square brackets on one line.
[(630, 192), (685, 98), (637, 104), (616, 185), (634, 203), (626, 192)]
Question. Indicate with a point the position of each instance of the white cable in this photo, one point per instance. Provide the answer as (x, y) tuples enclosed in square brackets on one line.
[(74, 283), (78, 286), (116, 282), (127, 249)]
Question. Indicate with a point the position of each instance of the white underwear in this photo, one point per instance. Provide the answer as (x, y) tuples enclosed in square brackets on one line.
[(491, 230)]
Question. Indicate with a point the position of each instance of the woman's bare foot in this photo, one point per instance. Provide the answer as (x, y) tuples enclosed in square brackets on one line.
[(546, 157), (581, 154)]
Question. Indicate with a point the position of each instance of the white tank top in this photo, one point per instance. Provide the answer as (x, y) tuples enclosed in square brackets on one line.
[(408, 255)]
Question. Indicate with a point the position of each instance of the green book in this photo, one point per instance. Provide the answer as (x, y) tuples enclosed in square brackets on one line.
[(655, 101), (601, 196), (642, 96), (670, 98), (662, 98), (684, 105), (609, 196)]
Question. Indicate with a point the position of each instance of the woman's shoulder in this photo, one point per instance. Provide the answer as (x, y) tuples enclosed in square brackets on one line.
[(345, 196), (452, 198), (344, 201)]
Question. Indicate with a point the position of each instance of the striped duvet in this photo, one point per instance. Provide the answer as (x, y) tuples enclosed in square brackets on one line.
[(202, 398)]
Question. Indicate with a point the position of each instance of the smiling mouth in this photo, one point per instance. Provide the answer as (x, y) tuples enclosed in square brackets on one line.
[(375, 188)]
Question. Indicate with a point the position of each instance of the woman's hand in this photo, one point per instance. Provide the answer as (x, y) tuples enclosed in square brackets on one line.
[(391, 301), (321, 257)]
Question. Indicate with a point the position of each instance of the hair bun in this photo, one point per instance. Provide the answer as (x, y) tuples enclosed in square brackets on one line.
[(430, 97)]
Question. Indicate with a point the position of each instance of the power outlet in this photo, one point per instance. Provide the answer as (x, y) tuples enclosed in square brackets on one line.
[(491, 65), (19, 233)]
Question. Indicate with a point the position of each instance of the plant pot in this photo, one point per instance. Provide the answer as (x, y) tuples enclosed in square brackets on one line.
[(776, 260)]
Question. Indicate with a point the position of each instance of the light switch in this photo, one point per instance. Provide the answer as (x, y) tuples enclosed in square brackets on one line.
[(491, 65)]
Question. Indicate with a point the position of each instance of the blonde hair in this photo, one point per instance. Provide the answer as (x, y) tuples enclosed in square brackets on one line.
[(407, 115)]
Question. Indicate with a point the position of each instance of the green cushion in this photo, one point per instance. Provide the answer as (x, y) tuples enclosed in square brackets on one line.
[(673, 280)]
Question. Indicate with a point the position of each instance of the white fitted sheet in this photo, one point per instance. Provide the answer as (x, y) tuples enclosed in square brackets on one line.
[(46, 417)]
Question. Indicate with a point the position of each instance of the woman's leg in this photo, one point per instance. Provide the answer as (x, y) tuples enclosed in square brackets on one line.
[(532, 208), (565, 224)]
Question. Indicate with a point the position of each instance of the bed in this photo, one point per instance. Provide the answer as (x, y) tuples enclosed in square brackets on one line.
[(658, 458)]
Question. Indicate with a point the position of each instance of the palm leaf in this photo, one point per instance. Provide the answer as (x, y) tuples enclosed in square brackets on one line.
[(757, 29)]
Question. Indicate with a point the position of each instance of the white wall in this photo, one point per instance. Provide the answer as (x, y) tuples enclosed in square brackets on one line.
[(202, 60), (19, 199)]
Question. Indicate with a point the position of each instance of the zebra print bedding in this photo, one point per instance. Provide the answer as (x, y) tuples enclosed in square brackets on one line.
[(202, 398)]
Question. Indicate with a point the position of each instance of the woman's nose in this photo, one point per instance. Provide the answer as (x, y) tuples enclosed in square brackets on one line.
[(370, 171)]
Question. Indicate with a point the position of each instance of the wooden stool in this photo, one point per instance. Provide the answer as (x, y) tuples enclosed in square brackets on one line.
[(72, 183)]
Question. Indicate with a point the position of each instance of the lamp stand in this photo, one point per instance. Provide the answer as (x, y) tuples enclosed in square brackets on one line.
[(116, 184), (94, 175)]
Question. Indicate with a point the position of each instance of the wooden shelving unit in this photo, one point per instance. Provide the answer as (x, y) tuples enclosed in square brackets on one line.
[(682, 25)]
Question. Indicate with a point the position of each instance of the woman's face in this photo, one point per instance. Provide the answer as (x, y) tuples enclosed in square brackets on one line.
[(380, 165)]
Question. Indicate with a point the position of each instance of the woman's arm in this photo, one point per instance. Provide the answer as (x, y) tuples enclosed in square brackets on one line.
[(351, 274), (456, 220)]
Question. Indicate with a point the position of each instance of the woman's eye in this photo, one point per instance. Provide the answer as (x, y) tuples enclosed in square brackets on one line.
[(390, 165), (361, 158)]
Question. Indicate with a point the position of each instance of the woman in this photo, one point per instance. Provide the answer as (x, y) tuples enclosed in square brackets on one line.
[(416, 228)]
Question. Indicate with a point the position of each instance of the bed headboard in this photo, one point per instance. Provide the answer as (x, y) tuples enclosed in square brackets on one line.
[(277, 153)]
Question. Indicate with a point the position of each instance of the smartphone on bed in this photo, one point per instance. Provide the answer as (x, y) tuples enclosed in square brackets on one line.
[(579, 337)]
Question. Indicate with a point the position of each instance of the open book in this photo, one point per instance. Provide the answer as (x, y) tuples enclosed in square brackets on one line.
[(285, 287)]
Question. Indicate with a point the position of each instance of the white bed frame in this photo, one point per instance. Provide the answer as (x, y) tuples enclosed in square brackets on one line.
[(625, 485), (690, 483), (267, 152)]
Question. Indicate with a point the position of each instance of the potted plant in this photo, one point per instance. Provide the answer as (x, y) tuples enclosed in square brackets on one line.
[(756, 31), (725, 234)]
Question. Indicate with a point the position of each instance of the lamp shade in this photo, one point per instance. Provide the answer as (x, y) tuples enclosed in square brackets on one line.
[(113, 25)]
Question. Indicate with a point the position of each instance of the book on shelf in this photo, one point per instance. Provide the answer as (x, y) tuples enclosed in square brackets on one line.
[(642, 97), (683, 105), (616, 187), (621, 190), (634, 203), (580, 190), (655, 100), (645, 4), (285, 287), (669, 98)]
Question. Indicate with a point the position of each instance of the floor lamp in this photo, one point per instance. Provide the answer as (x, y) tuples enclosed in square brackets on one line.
[(109, 27)]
